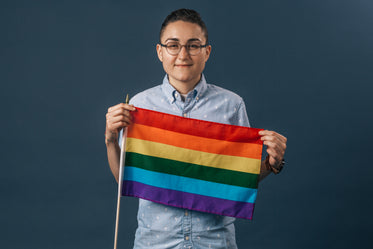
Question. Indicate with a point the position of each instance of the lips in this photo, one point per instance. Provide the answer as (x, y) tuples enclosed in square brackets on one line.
[(183, 65)]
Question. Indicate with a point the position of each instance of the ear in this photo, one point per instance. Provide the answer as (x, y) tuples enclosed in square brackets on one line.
[(159, 52), (208, 51)]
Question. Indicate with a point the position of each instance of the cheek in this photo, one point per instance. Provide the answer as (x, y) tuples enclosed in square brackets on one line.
[(201, 64), (167, 64), (168, 60)]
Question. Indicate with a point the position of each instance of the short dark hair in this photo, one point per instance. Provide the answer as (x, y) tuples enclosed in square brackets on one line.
[(186, 15)]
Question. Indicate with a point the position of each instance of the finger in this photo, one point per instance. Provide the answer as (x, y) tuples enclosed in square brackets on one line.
[(273, 140), (115, 127), (274, 161), (270, 138), (119, 118), (282, 138), (118, 112), (280, 147), (272, 145), (275, 155), (275, 150), (117, 115), (272, 134), (263, 132), (123, 120), (122, 106)]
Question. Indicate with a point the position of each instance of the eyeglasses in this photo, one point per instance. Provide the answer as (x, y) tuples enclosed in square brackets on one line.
[(174, 48)]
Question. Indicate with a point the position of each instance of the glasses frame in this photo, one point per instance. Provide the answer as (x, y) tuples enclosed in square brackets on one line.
[(181, 47)]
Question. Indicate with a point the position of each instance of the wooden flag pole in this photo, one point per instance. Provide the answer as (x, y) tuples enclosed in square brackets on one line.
[(120, 180)]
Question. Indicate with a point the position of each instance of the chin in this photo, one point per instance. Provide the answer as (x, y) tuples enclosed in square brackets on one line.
[(186, 76), (182, 77), (186, 79)]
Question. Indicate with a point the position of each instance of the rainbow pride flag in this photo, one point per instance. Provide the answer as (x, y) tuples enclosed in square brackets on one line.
[(192, 164)]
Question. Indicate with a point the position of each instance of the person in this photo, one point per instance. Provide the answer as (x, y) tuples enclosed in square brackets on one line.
[(184, 51)]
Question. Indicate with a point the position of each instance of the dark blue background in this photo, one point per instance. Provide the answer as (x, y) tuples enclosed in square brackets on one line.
[(304, 69)]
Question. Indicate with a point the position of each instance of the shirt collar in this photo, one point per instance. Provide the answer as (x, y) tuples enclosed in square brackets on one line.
[(170, 91)]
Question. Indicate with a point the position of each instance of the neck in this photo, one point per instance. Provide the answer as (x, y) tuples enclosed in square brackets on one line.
[(184, 87)]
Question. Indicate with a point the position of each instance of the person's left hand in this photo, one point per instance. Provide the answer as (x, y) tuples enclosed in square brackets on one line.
[(276, 146)]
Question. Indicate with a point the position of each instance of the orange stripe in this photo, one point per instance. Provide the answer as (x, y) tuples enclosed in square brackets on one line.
[(144, 132)]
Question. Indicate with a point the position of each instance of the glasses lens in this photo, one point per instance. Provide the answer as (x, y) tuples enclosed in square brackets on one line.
[(194, 48), (173, 47)]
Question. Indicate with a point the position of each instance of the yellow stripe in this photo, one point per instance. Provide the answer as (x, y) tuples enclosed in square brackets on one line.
[(150, 148)]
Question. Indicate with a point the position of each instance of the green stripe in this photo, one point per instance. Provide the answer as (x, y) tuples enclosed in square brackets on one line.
[(173, 167)]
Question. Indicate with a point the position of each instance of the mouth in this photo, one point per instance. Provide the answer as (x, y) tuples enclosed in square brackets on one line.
[(183, 65)]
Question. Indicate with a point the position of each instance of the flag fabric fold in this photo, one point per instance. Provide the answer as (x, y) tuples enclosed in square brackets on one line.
[(192, 164)]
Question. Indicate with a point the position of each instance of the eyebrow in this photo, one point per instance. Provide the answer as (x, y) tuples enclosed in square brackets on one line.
[(190, 40)]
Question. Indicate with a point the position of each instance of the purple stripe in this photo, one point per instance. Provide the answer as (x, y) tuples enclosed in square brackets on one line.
[(189, 201)]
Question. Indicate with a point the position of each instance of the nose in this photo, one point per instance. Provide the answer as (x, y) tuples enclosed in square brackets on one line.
[(183, 53)]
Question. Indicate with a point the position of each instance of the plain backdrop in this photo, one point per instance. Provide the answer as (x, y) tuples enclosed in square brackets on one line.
[(303, 68)]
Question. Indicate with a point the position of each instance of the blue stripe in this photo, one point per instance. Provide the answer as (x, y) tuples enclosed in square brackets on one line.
[(190, 185)]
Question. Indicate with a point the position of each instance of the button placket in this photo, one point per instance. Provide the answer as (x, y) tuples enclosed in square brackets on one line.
[(188, 106), (187, 223)]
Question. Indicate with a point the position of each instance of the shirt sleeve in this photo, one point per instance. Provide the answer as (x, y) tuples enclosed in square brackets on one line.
[(242, 118)]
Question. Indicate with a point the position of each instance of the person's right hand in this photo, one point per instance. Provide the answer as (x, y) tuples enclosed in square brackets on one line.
[(117, 117)]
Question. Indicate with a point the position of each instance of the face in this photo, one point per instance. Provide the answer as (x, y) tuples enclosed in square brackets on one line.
[(184, 70)]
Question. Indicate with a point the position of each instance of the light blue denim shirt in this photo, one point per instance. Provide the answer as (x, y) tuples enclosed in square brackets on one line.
[(163, 227)]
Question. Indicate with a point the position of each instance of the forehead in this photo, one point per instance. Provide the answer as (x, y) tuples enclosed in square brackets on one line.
[(183, 32)]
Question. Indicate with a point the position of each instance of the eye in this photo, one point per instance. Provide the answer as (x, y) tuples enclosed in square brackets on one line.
[(194, 46), (172, 45)]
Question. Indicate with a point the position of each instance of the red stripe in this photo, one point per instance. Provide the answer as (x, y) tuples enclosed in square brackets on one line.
[(196, 127)]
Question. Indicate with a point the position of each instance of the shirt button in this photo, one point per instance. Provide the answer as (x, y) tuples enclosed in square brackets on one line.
[(184, 114), (186, 237), (176, 95), (186, 213)]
